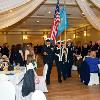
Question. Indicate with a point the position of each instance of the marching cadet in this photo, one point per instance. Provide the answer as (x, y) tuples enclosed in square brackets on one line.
[(58, 60), (70, 54), (48, 57), (64, 60)]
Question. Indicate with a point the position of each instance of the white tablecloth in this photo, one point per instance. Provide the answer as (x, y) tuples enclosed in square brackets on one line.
[(15, 76)]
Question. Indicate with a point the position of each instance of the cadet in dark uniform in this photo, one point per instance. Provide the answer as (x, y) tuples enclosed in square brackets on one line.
[(64, 60), (48, 57), (70, 49), (58, 60)]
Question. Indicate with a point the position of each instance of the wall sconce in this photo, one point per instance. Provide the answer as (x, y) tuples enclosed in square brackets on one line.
[(85, 34), (45, 36), (25, 37), (74, 36)]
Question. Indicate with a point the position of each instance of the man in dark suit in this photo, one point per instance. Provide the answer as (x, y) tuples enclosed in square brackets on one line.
[(48, 57)]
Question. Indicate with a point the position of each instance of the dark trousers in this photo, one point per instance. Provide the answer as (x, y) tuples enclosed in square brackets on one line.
[(85, 77), (49, 72), (59, 70), (64, 70), (69, 68)]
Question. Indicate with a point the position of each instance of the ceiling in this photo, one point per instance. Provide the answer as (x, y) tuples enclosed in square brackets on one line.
[(45, 12)]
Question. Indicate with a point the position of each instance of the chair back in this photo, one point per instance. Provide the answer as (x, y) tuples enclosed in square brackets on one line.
[(45, 71), (38, 95)]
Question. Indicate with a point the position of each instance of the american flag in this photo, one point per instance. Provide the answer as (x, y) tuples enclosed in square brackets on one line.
[(56, 21)]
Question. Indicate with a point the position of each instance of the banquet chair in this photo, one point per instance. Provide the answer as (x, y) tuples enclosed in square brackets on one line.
[(38, 95), (42, 80), (94, 79), (7, 89), (41, 86)]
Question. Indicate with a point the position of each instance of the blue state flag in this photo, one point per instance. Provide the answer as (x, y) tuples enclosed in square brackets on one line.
[(63, 21)]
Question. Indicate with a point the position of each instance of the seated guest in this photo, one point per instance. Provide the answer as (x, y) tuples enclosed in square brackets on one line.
[(31, 63), (84, 73), (29, 82), (40, 83), (5, 50), (93, 62)]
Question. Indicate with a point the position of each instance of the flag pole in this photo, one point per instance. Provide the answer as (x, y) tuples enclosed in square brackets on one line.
[(65, 33), (60, 37)]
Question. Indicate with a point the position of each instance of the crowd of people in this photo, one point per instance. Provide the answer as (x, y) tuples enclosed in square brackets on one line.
[(63, 54), (17, 54), (67, 54)]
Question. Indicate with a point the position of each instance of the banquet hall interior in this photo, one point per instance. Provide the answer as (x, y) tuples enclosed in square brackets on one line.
[(31, 21)]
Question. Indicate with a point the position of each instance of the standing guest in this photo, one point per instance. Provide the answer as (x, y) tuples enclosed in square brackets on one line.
[(5, 50), (77, 54), (29, 50), (89, 45), (1, 50), (94, 46), (78, 49), (70, 54), (98, 51), (48, 57), (26, 52), (19, 47), (15, 57), (84, 50)]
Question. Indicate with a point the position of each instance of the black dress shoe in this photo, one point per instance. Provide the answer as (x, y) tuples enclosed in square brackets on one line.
[(69, 76), (64, 78), (59, 81), (85, 83), (48, 82)]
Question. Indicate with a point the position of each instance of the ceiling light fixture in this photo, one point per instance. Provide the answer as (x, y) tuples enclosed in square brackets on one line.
[(45, 36), (49, 12), (25, 37), (10, 11), (37, 21), (74, 36), (82, 13), (85, 33)]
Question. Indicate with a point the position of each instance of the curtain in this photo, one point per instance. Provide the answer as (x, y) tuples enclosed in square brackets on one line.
[(96, 2), (6, 5), (92, 18), (10, 18)]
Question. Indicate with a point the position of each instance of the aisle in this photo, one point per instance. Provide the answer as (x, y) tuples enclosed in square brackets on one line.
[(71, 89)]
